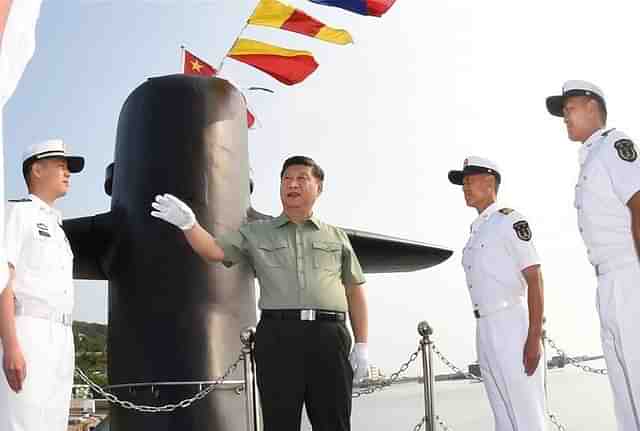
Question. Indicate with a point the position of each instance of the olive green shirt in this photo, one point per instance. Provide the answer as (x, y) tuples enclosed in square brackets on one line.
[(298, 266)]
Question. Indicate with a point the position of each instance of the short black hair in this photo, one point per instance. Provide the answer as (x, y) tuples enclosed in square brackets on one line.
[(316, 170), (26, 170)]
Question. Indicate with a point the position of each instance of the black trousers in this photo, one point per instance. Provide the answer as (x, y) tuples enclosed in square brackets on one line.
[(304, 362)]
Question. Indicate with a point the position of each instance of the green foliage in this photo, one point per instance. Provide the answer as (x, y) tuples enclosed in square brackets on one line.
[(91, 351)]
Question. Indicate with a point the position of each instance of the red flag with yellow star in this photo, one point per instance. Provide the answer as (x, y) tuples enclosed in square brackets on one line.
[(196, 66), (193, 65)]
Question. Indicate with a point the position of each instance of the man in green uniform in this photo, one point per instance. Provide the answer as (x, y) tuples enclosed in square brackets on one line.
[(309, 279)]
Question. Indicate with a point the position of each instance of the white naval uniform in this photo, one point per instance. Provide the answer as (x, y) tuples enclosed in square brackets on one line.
[(609, 177), (38, 249), (493, 260)]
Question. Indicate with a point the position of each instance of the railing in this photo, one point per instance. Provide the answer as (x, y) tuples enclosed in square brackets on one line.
[(426, 349)]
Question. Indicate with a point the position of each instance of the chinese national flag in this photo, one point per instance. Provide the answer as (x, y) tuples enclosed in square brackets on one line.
[(196, 66)]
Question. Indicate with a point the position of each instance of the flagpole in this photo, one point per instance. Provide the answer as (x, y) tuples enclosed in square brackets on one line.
[(246, 24), (182, 58)]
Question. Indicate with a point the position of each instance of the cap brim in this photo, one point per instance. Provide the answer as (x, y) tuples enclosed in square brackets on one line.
[(455, 177), (75, 164), (554, 105)]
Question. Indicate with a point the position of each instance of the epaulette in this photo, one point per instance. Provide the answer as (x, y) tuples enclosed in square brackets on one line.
[(19, 200), (506, 211), (605, 134)]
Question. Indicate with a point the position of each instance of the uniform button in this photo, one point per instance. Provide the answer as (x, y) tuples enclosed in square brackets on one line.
[(584, 178)]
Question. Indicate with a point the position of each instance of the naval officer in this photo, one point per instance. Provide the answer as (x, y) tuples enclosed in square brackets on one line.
[(505, 284), (36, 305), (310, 278), (607, 201)]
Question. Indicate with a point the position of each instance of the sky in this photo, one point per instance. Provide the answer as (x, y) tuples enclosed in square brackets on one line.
[(422, 88)]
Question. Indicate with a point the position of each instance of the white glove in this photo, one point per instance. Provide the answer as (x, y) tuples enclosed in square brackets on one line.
[(359, 359), (172, 210)]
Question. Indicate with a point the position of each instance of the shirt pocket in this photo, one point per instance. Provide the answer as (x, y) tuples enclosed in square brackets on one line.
[(273, 254), (327, 255), (42, 256)]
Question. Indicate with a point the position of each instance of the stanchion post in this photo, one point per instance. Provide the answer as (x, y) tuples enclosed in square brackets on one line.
[(425, 332), (248, 336)]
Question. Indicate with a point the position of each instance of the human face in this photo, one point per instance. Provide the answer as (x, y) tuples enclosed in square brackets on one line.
[(478, 191), (580, 117), (52, 176), (299, 189)]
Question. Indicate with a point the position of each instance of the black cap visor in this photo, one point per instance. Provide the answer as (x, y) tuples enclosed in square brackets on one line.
[(456, 177), (555, 104)]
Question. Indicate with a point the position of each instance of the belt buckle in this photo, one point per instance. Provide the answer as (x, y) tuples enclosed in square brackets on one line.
[(307, 314), (476, 313), (597, 268)]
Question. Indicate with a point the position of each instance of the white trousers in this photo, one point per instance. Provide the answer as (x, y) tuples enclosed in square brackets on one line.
[(516, 399), (618, 302), (43, 403)]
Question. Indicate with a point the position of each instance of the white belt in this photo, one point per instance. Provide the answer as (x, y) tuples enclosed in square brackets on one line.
[(41, 311), (488, 309), (603, 268)]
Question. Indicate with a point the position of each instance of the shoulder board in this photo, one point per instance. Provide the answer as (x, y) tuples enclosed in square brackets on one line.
[(505, 211), (606, 133), (19, 200)]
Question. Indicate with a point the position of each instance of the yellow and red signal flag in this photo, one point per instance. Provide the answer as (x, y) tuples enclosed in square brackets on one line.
[(193, 65), (286, 65), (272, 13), (362, 7)]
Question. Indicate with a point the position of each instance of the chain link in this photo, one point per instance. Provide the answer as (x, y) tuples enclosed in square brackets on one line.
[(552, 416), (571, 361), (440, 421), (556, 421), (419, 424), (452, 367), (372, 388), (160, 409)]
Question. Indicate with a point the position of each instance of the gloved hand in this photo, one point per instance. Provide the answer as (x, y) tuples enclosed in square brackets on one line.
[(172, 210), (359, 359)]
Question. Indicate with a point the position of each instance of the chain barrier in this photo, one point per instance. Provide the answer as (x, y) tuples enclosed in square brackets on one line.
[(419, 424), (372, 388), (160, 409), (556, 421), (574, 362), (452, 367), (552, 416), (440, 421)]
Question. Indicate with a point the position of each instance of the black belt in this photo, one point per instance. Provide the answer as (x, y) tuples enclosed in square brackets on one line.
[(336, 316)]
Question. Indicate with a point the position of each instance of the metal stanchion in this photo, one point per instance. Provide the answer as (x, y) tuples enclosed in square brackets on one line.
[(247, 336), (427, 370)]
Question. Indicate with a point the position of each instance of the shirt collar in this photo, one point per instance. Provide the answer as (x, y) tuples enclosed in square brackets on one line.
[(589, 144), (282, 220), (46, 207), (484, 216)]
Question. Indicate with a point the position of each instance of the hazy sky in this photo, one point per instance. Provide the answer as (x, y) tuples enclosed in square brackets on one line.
[(421, 89)]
